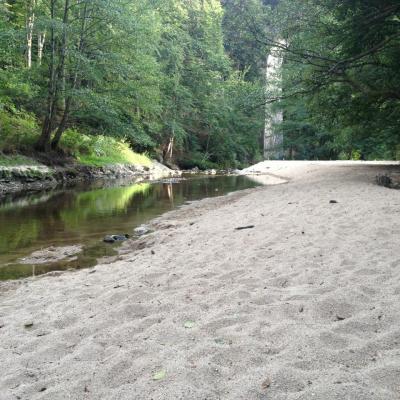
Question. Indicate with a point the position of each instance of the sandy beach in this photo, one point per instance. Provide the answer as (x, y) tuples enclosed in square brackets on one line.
[(303, 305)]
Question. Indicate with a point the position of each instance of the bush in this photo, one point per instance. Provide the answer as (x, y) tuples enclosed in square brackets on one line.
[(18, 131), (356, 155), (75, 143), (100, 150)]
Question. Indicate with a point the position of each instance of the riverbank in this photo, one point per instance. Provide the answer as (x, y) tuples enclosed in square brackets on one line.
[(36, 177), (302, 304)]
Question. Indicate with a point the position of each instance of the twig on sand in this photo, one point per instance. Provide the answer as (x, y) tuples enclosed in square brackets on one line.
[(245, 227)]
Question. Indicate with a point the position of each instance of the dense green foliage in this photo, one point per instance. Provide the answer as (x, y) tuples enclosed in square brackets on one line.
[(185, 80), (153, 72), (341, 75), (20, 132)]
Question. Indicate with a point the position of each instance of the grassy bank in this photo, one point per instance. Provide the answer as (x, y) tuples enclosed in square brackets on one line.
[(20, 131), (16, 160)]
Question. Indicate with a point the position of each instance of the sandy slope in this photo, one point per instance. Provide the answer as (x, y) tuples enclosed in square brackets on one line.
[(304, 306)]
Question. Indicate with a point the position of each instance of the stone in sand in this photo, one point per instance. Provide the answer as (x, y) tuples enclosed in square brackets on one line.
[(142, 230)]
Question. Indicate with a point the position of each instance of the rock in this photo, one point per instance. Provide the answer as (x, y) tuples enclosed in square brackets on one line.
[(28, 324), (384, 180), (109, 239), (120, 238), (391, 181), (52, 254), (194, 170), (333, 202), (115, 238), (142, 230), (172, 180)]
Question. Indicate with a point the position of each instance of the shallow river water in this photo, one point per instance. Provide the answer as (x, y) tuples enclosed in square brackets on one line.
[(84, 215)]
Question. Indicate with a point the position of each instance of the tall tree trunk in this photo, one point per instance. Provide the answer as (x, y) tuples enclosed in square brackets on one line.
[(273, 141), (57, 76), (43, 143), (63, 55), (68, 99), (30, 23), (62, 125), (41, 41), (170, 148)]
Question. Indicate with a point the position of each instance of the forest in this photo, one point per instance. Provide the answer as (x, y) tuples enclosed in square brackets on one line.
[(185, 81)]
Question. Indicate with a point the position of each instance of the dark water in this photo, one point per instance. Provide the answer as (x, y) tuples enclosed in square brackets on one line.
[(85, 215)]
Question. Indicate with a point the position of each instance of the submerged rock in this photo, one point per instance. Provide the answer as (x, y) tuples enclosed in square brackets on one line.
[(115, 238), (52, 254), (108, 239), (121, 237)]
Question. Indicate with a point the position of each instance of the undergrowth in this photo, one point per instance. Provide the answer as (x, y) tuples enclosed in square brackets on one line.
[(19, 132)]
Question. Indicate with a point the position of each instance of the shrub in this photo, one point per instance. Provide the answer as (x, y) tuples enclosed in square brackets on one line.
[(100, 150), (18, 131)]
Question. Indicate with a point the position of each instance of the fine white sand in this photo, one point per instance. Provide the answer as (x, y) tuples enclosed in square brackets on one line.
[(305, 305)]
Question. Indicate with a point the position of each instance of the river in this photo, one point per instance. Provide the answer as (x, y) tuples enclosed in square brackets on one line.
[(85, 214)]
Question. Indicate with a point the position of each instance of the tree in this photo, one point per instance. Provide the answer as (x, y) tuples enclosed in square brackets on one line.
[(341, 66), (155, 73), (89, 42)]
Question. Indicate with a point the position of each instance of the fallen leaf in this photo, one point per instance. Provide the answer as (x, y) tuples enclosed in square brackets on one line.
[(159, 375), (266, 384), (189, 324)]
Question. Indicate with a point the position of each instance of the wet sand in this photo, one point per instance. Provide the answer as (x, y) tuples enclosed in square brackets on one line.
[(304, 305)]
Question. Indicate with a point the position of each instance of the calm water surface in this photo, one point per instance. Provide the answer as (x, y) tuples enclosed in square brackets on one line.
[(84, 215)]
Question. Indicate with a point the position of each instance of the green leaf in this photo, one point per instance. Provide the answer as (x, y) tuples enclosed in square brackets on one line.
[(159, 375), (189, 324)]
